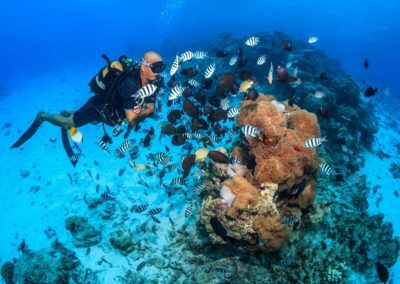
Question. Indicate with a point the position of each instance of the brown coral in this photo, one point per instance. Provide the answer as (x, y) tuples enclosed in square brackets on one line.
[(304, 123), (281, 163), (307, 196), (288, 161), (246, 195), (272, 234)]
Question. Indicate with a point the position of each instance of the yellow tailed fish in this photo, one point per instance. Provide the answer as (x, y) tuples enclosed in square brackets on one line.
[(270, 78), (76, 135), (201, 154), (245, 85)]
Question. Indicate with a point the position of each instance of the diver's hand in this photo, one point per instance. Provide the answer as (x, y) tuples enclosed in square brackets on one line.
[(137, 109)]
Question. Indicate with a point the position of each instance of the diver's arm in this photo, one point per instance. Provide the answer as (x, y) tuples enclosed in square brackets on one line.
[(149, 110), (138, 114), (132, 115)]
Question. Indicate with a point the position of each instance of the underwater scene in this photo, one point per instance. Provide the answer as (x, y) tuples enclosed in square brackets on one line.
[(187, 141)]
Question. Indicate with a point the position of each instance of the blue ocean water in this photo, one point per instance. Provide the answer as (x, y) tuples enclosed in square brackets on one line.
[(51, 49), (50, 35)]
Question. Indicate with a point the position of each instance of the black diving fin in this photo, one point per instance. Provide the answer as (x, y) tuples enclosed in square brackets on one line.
[(68, 149), (27, 134)]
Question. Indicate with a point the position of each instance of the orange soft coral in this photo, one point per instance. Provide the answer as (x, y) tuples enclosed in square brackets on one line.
[(304, 123), (271, 233), (246, 195), (285, 161)]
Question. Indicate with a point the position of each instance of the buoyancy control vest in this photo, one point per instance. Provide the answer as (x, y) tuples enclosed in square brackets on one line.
[(105, 84), (106, 81)]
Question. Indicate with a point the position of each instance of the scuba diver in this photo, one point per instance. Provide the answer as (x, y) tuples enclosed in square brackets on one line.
[(115, 99)]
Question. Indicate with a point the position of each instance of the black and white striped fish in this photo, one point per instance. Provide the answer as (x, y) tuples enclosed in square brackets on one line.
[(198, 189), (146, 91), (233, 60), (154, 211), (141, 266), (125, 146), (188, 135), (200, 54), (139, 208), (119, 155), (188, 210), (186, 56), (156, 156), (107, 197), (252, 41), (356, 177), (233, 112), (177, 180), (194, 83), (175, 66), (198, 174), (326, 169), (175, 92), (161, 158), (215, 138), (290, 220), (104, 146), (209, 71), (314, 142), (249, 130), (197, 135), (261, 60)]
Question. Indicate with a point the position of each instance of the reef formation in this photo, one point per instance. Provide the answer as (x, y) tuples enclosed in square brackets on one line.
[(268, 213), (278, 180)]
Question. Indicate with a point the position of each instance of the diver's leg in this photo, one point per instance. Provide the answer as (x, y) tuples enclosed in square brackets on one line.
[(56, 119), (67, 113)]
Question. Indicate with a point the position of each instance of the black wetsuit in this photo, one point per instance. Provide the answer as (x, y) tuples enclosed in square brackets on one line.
[(111, 110)]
